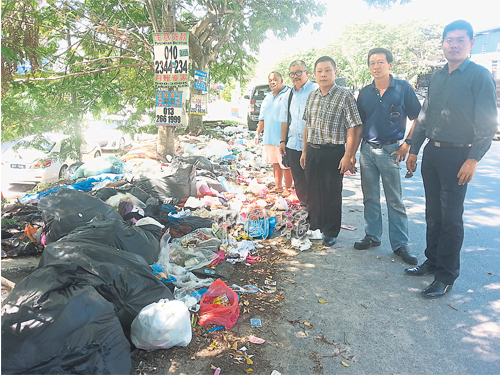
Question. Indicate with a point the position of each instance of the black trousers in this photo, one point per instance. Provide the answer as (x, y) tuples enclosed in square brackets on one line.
[(324, 183), (298, 174), (444, 207)]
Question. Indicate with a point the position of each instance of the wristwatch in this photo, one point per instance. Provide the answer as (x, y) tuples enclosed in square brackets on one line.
[(408, 141)]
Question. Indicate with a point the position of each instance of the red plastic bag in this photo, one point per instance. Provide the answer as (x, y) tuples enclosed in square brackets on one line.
[(219, 305)]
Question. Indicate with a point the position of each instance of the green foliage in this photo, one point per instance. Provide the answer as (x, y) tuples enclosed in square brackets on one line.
[(9, 223), (385, 4), (414, 44), (96, 57), (226, 93)]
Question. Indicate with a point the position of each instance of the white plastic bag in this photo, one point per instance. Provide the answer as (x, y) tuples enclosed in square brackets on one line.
[(162, 325)]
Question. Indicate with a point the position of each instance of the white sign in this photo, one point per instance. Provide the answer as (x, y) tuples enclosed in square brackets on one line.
[(171, 63), (169, 108), (198, 104)]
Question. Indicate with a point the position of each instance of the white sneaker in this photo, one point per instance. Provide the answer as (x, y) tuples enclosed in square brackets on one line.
[(315, 234)]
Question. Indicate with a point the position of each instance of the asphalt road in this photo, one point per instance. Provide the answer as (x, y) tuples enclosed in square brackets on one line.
[(375, 320)]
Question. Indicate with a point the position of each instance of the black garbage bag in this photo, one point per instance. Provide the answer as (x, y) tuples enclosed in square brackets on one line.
[(142, 240), (200, 162), (122, 278), (53, 328), (178, 181), (66, 209), (71, 171)]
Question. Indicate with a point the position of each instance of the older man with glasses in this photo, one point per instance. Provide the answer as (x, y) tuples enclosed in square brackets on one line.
[(292, 124)]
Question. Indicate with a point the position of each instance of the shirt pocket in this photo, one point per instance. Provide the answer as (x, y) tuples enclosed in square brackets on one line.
[(395, 113)]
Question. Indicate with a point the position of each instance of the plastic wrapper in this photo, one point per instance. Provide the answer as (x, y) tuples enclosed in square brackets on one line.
[(183, 278), (162, 325), (191, 258), (219, 305)]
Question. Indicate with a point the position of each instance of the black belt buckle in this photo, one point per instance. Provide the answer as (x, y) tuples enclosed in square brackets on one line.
[(377, 145), (449, 144)]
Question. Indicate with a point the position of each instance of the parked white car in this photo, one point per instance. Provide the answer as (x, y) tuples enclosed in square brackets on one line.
[(28, 162), (107, 135)]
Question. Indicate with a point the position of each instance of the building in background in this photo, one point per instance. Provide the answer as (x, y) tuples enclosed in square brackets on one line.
[(486, 52)]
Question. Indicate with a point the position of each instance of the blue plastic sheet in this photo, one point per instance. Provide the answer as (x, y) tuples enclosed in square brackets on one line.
[(86, 185)]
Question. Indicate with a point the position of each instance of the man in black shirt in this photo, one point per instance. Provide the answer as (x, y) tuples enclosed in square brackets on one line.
[(459, 117)]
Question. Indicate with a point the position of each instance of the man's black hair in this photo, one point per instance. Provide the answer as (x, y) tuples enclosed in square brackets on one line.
[(325, 59), (459, 25), (278, 73), (386, 52), (298, 62)]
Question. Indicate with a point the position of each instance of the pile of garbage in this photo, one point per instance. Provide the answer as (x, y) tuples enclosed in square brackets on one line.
[(130, 248)]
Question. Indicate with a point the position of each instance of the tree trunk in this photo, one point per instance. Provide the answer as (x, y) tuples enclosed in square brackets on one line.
[(165, 139)]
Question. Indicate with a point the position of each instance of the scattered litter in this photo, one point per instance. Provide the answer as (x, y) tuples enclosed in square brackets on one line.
[(245, 288), (348, 227), (256, 340), (302, 245), (256, 323)]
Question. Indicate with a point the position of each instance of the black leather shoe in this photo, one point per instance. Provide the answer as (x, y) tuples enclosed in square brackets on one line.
[(436, 289), (406, 255), (423, 269), (329, 241), (366, 243)]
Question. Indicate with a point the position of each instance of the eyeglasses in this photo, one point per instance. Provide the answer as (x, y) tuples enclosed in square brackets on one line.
[(298, 73), (394, 114)]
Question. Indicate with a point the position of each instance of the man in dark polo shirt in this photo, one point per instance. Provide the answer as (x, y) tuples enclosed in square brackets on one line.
[(384, 106), (459, 117)]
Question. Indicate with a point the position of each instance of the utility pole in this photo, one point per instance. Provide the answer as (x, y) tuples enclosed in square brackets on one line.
[(165, 139)]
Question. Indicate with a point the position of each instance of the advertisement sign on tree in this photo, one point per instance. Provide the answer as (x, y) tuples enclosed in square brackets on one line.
[(168, 108), (198, 104), (200, 80), (171, 62)]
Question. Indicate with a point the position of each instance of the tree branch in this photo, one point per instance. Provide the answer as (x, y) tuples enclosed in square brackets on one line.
[(76, 74)]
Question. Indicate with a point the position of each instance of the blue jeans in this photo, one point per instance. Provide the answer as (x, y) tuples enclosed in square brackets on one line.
[(376, 163)]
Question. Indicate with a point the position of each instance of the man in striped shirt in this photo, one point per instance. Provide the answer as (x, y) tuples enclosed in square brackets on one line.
[(332, 134)]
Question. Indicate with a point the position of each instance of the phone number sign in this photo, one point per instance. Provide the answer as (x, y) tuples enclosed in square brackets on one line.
[(171, 54), (198, 104), (168, 108)]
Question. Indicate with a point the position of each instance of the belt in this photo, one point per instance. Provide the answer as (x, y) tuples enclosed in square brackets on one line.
[(378, 145), (314, 145), (448, 144)]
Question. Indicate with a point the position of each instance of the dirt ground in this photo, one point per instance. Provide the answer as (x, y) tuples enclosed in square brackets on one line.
[(231, 350)]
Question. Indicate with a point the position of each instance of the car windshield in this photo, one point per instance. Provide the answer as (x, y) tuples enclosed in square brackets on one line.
[(260, 93), (103, 125), (44, 144)]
